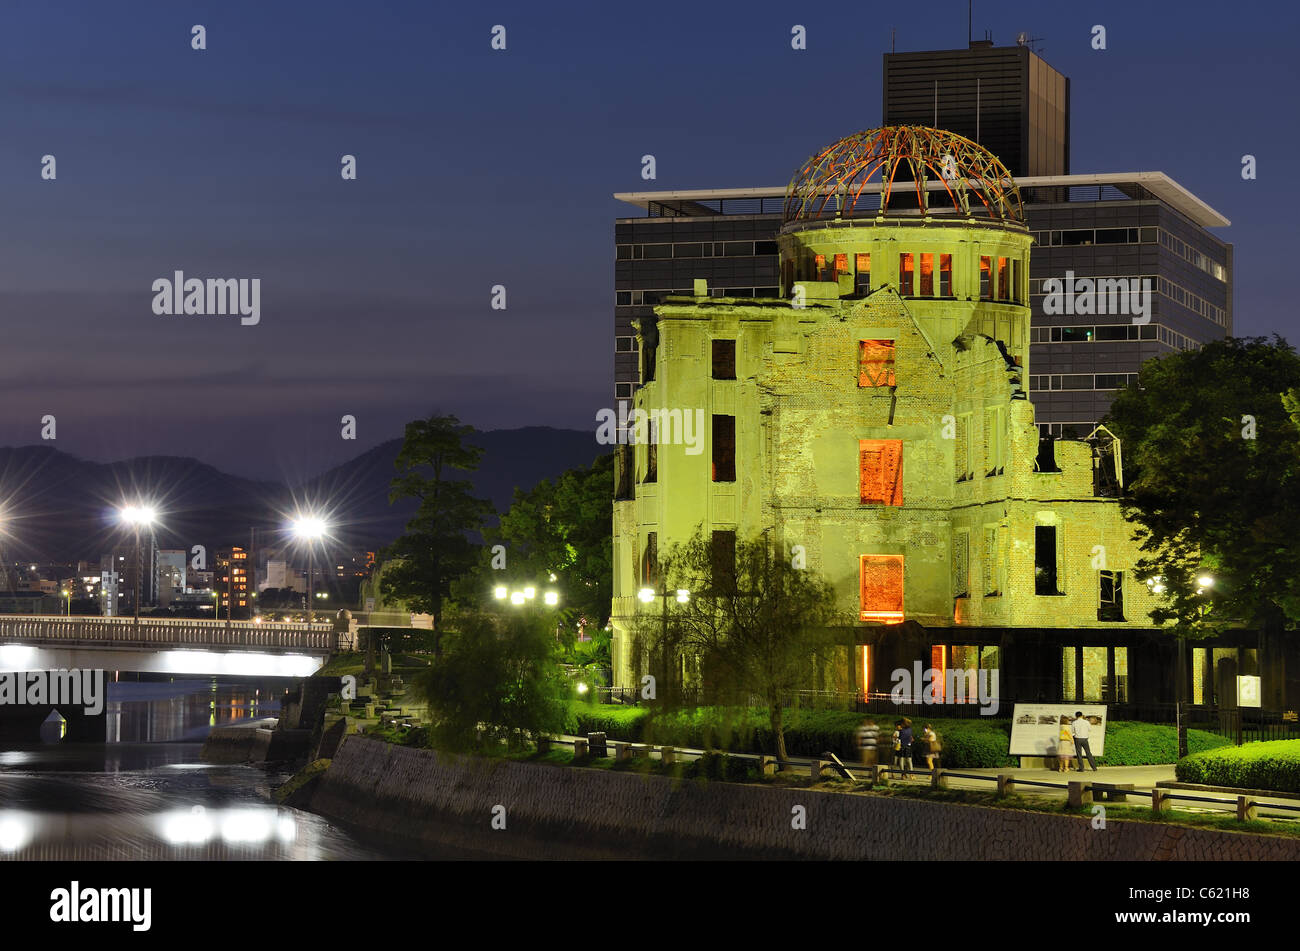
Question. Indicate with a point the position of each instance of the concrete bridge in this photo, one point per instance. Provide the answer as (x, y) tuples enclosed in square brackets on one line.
[(170, 645)]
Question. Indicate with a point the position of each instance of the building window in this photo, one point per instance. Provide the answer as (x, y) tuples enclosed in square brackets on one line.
[(880, 471), (624, 344), (962, 449), (819, 264), (905, 275), (1111, 596), (723, 557), (986, 280), (1094, 674), (961, 564), (650, 560), (995, 441), (991, 563), (724, 359), (876, 363), (862, 282), (1004, 279), (1045, 560), (881, 585), (945, 275), (841, 265), (652, 456), (724, 448), (927, 275), (623, 391)]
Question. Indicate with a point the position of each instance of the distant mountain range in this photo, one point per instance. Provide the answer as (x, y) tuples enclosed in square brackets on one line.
[(57, 507)]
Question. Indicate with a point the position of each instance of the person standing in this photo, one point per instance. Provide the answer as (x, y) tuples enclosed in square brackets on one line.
[(904, 750), (933, 748), (1079, 729), (1064, 745), (868, 737)]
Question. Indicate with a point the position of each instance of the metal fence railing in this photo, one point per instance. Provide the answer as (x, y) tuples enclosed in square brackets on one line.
[(168, 632)]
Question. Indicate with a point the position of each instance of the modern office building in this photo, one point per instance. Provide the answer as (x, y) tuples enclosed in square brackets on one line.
[(172, 563), (874, 407), (1108, 226)]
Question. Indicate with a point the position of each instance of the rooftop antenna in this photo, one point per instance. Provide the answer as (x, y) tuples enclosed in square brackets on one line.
[(970, 8), (1024, 39), (892, 33)]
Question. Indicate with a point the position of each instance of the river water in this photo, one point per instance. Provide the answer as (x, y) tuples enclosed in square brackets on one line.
[(144, 794)]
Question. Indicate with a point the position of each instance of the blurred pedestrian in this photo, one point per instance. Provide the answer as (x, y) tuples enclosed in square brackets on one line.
[(868, 738), (1064, 746)]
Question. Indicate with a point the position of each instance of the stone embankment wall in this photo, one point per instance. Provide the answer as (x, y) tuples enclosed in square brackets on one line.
[(442, 803), (254, 744)]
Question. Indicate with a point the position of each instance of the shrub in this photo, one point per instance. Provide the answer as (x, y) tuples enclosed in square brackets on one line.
[(1273, 764), (1130, 743)]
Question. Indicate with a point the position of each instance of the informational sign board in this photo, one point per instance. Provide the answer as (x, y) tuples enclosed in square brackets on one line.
[(370, 605), (1035, 727), (1248, 692)]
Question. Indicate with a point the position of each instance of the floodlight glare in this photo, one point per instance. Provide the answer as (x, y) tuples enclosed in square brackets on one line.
[(646, 595), (683, 596), (517, 597), (1205, 581), (530, 592), (500, 592), (552, 598)]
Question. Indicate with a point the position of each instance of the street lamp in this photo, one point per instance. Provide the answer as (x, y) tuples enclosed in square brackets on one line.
[(137, 516), (309, 529), (683, 596), (68, 595)]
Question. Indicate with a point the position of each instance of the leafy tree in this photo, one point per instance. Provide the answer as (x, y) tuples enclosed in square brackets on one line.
[(565, 529), (500, 674), (758, 626), (436, 549), (1212, 479)]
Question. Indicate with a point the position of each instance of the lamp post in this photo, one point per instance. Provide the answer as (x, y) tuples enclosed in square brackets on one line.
[(137, 516), (649, 594), (68, 596), (309, 529)]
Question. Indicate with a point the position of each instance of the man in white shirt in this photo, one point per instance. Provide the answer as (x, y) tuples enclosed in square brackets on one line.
[(1079, 728)]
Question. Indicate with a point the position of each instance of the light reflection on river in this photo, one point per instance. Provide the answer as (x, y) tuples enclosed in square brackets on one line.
[(144, 795)]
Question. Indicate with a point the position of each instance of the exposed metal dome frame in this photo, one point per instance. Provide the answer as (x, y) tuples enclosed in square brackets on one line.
[(939, 161)]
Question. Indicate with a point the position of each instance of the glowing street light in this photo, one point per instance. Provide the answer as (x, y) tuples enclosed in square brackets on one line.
[(137, 516), (552, 598), (309, 528), (517, 598), (500, 592), (530, 592)]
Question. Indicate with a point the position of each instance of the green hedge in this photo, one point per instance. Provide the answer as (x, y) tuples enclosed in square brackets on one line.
[(970, 743), (1273, 764)]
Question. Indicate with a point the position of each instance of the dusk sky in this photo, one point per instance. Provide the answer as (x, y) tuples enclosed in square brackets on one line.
[(479, 167)]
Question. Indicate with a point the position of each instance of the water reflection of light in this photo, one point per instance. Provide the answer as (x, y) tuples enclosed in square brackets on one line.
[(187, 828), (247, 825), (286, 829), (16, 830), (15, 757), (242, 663)]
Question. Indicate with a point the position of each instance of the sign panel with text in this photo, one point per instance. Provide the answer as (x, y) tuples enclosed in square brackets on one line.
[(1035, 727)]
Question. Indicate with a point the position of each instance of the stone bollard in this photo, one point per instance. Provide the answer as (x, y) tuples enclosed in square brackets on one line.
[(767, 765), (543, 744), (667, 754), (370, 711), (1080, 794), (344, 707), (1245, 808), (816, 771), (1159, 801), (877, 775), (1006, 784), (938, 780), (620, 751), (579, 748)]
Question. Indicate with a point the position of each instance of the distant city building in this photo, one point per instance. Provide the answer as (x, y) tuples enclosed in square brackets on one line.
[(172, 563), (230, 583)]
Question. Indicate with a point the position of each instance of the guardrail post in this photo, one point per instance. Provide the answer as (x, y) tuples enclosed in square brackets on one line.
[(1245, 808), (667, 754), (579, 748), (767, 765), (818, 765), (620, 751), (1006, 784), (543, 744), (938, 780), (1080, 794), (1159, 800)]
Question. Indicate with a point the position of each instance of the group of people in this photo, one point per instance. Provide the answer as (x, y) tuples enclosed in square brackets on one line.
[(1072, 741), (904, 744)]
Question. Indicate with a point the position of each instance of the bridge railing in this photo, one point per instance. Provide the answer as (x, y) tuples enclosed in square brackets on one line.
[(168, 632)]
